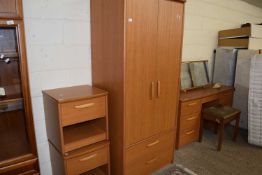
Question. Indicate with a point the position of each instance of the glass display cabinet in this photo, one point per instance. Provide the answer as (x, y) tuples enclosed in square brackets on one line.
[(14, 140), (18, 153)]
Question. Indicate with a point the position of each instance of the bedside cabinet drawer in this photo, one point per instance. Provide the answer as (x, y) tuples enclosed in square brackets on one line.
[(150, 155), (190, 107), (86, 162), (189, 122), (84, 110)]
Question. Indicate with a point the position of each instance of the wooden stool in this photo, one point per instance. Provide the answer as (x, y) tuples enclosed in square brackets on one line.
[(222, 115)]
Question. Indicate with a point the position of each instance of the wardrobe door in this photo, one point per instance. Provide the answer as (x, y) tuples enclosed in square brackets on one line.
[(168, 61), (140, 63)]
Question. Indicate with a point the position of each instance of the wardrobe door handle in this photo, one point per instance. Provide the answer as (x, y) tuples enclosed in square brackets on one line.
[(158, 89), (152, 90), (191, 118), (190, 132)]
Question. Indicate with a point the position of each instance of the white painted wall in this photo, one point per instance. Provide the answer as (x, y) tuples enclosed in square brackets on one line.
[(58, 45), (58, 51)]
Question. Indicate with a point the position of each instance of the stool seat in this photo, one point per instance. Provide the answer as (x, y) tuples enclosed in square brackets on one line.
[(221, 115), (221, 111)]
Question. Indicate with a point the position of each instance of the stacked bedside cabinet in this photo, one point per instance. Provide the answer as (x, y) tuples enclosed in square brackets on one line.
[(77, 129)]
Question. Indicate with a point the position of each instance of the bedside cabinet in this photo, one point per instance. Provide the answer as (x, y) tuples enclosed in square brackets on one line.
[(77, 130)]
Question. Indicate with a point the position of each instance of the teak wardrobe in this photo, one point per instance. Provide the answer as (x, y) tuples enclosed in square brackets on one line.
[(136, 56)]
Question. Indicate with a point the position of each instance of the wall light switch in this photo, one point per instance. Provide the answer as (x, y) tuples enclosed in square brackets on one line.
[(2, 91)]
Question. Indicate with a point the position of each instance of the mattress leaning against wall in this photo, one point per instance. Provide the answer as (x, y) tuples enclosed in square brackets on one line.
[(242, 83), (255, 102)]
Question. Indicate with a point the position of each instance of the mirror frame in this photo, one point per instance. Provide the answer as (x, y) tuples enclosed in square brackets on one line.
[(205, 62)]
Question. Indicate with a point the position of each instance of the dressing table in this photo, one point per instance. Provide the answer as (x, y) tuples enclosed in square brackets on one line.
[(190, 107)]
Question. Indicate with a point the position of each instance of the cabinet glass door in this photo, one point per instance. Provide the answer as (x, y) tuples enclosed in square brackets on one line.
[(13, 132)]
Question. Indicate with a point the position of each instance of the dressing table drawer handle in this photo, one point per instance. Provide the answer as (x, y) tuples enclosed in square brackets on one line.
[(192, 104), (85, 106), (153, 144), (152, 161), (88, 158), (191, 118), (190, 132)]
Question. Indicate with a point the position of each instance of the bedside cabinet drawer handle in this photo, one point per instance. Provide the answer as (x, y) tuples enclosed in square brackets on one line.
[(88, 105), (152, 161), (153, 144), (192, 104), (191, 118), (190, 132), (88, 158)]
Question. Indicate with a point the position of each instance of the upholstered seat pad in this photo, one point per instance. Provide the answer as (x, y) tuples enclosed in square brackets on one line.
[(220, 111)]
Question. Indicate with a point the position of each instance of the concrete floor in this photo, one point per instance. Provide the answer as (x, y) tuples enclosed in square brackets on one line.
[(236, 158)]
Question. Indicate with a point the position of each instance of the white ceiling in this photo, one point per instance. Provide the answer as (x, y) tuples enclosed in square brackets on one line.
[(255, 2)]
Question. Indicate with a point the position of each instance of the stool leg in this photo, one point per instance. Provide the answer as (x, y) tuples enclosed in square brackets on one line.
[(216, 128), (236, 128), (221, 135), (201, 129)]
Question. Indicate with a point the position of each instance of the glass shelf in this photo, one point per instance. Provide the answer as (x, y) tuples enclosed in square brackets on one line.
[(10, 54), (11, 105)]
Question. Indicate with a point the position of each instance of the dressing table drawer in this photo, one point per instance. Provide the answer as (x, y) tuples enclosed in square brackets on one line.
[(190, 107), (190, 121), (188, 136)]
